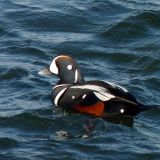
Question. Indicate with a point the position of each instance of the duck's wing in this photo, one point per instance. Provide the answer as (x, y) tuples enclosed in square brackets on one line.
[(109, 100), (92, 99), (90, 93), (120, 93)]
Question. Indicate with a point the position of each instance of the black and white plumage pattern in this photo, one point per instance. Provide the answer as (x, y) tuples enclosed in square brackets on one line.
[(116, 99), (73, 92)]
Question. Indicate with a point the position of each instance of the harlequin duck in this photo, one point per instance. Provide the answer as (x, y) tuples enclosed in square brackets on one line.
[(97, 98), (66, 69)]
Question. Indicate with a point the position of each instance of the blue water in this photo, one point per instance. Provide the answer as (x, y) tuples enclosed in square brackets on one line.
[(112, 40)]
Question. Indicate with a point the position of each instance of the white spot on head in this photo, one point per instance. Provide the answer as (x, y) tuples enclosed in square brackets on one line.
[(73, 97), (122, 110), (84, 96), (53, 67), (69, 67)]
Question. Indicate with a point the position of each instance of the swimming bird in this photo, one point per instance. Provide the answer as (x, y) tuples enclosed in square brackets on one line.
[(96, 97)]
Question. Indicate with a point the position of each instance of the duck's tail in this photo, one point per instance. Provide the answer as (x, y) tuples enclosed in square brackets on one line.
[(146, 107)]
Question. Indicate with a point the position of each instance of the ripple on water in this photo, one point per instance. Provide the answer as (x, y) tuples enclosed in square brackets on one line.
[(30, 121), (135, 26), (14, 73), (2, 31), (112, 40), (6, 143)]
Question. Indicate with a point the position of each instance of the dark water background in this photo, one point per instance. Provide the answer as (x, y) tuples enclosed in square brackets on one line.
[(115, 40)]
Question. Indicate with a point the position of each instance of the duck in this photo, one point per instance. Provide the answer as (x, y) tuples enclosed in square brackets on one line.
[(95, 97)]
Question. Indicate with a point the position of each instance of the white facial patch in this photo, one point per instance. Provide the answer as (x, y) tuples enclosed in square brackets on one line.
[(69, 67), (53, 67)]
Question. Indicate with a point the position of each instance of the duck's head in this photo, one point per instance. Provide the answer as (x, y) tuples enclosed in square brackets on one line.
[(66, 68)]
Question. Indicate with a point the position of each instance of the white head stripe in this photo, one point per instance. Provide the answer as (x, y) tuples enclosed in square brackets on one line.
[(58, 96)]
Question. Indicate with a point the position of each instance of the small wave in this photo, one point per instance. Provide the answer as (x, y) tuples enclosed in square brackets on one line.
[(122, 58), (13, 73), (6, 142), (124, 29), (32, 52), (2, 30), (134, 26), (149, 18), (147, 65), (153, 67), (154, 112), (30, 121)]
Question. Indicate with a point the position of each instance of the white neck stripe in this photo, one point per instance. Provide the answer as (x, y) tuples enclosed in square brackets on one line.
[(76, 76)]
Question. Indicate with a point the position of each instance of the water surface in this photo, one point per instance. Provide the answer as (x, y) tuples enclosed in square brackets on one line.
[(118, 41)]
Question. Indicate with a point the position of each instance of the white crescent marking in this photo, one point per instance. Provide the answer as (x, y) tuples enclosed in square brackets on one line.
[(58, 96)]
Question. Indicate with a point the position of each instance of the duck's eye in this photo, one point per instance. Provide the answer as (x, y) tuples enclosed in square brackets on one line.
[(69, 67)]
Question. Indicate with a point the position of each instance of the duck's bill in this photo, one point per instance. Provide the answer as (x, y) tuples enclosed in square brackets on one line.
[(45, 71)]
